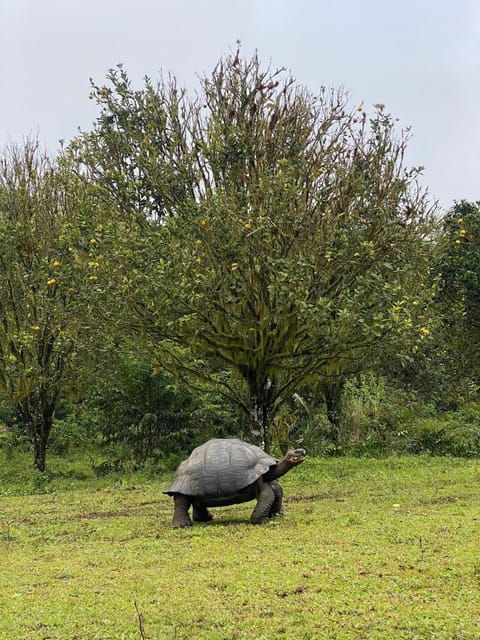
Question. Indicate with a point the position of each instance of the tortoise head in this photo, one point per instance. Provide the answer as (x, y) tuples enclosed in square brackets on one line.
[(295, 456), (291, 459)]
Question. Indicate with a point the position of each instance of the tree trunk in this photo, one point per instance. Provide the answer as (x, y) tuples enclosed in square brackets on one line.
[(40, 454), (260, 412), (258, 426), (40, 428), (35, 418)]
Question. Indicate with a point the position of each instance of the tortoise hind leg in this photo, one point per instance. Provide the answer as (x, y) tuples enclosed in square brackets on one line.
[(181, 505), (201, 514)]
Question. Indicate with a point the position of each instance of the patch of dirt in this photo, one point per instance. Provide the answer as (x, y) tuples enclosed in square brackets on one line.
[(103, 514), (447, 499), (121, 513), (315, 497)]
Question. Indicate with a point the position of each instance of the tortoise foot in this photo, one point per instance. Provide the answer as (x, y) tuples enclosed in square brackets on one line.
[(201, 514), (182, 524)]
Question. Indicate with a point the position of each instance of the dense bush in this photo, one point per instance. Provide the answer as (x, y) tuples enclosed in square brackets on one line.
[(69, 433), (379, 418), (455, 433), (144, 414)]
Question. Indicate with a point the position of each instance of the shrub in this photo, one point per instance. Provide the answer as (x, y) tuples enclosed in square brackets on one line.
[(145, 413), (148, 415), (455, 433), (373, 410), (68, 434)]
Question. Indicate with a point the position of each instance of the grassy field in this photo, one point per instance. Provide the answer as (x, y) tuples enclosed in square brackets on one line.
[(368, 549)]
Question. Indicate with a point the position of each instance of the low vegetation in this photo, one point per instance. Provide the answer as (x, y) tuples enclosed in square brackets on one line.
[(368, 549)]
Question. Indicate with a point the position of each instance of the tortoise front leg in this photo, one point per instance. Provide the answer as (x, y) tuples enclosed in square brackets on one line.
[(265, 500), (181, 505), (277, 506)]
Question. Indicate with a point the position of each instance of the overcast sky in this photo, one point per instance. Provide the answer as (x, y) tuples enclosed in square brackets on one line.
[(421, 58)]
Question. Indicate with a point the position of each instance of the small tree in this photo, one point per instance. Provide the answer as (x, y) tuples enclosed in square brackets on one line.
[(47, 281), (282, 233), (458, 300)]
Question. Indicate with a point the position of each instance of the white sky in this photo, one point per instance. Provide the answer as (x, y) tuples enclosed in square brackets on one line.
[(421, 58)]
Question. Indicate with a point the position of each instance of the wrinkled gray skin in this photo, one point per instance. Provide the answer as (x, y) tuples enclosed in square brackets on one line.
[(222, 472)]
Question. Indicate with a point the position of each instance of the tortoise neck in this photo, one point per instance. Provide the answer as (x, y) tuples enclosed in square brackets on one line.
[(278, 470)]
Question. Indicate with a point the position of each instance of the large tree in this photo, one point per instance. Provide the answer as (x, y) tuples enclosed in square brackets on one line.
[(282, 233), (49, 273)]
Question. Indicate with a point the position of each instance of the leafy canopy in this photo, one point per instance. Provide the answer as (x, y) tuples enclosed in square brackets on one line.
[(281, 233)]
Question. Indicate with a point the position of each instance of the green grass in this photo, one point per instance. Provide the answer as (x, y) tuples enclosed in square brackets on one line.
[(368, 549)]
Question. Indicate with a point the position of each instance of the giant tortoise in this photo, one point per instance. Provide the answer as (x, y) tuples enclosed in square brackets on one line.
[(224, 471)]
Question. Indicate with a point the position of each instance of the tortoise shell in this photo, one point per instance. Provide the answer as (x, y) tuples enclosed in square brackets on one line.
[(220, 468)]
